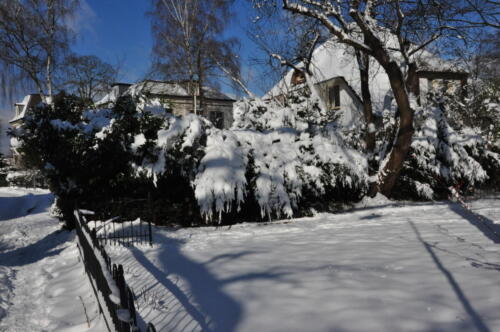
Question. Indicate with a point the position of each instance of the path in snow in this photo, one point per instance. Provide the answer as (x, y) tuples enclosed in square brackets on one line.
[(43, 286), (414, 267)]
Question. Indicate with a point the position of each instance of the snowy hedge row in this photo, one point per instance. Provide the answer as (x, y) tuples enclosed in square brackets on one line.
[(274, 154), (283, 160), (278, 160)]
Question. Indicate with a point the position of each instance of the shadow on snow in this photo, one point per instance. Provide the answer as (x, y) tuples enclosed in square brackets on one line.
[(20, 206), (474, 316), (485, 225), (45, 247), (215, 310)]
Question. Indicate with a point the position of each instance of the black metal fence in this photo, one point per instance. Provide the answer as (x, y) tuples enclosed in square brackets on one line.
[(114, 297), (125, 233)]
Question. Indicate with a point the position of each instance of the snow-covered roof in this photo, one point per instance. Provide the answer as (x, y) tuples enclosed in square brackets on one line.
[(158, 88), (332, 59), (164, 88), (172, 89), (110, 97), (24, 105)]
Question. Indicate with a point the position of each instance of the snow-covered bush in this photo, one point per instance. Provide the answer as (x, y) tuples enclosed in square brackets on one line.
[(480, 110), (299, 110), (441, 157), (280, 163), (27, 179), (276, 159), (4, 170)]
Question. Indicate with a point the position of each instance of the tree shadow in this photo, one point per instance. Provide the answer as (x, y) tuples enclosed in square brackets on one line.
[(475, 317), (16, 207), (215, 310), (485, 225), (371, 216), (34, 252)]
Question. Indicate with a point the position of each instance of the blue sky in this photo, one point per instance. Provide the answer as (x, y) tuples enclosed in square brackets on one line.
[(116, 30), (119, 31)]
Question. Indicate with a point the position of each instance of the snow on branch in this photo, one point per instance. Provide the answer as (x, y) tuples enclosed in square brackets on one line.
[(323, 18)]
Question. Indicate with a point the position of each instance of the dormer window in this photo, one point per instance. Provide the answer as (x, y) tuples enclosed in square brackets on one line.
[(298, 77), (334, 96)]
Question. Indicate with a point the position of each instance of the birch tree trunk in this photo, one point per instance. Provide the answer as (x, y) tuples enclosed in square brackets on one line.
[(50, 49)]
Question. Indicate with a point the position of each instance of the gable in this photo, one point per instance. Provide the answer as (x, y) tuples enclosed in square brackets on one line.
[(332, 60)]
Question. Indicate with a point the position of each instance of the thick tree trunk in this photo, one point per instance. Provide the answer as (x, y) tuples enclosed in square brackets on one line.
[(389, 174), (390, 169)]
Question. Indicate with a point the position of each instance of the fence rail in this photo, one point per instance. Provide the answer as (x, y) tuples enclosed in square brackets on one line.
[(126, 233), (114, 297)]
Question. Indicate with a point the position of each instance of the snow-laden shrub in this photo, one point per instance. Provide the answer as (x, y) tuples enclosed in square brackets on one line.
[(299, 110), (274, 155), (177, 144), (480, 110), (136, 161), (220, 181), (27, 179), (441, 156)]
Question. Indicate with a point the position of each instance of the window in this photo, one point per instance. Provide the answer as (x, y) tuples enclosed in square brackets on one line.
[(334, 96), (298, 77), (217, 118)]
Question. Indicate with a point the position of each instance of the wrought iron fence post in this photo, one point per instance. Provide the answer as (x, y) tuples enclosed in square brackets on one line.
[(93, 235), (151, 213), (131, 306)]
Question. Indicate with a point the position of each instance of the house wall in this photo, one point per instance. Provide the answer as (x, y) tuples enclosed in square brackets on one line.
[(184, 106), (351, 108)]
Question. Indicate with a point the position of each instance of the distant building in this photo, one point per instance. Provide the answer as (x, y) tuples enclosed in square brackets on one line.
[(21, 110), (175, 98)]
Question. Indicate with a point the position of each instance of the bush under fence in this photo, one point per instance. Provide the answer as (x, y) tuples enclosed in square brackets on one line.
[(114, 297)]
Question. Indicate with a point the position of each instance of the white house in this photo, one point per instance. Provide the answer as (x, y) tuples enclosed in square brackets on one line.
[(20, 111), (335, 73)]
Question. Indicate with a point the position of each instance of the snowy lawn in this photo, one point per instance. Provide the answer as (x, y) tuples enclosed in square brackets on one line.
[(384, 267), (43, 286)]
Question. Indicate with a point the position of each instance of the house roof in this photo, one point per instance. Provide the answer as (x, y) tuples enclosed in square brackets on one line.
[(171, 88), (162, 88), (24, 107)]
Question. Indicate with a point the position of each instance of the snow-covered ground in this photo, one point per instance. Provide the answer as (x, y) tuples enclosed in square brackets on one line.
[(43, 286), (382, 267)]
